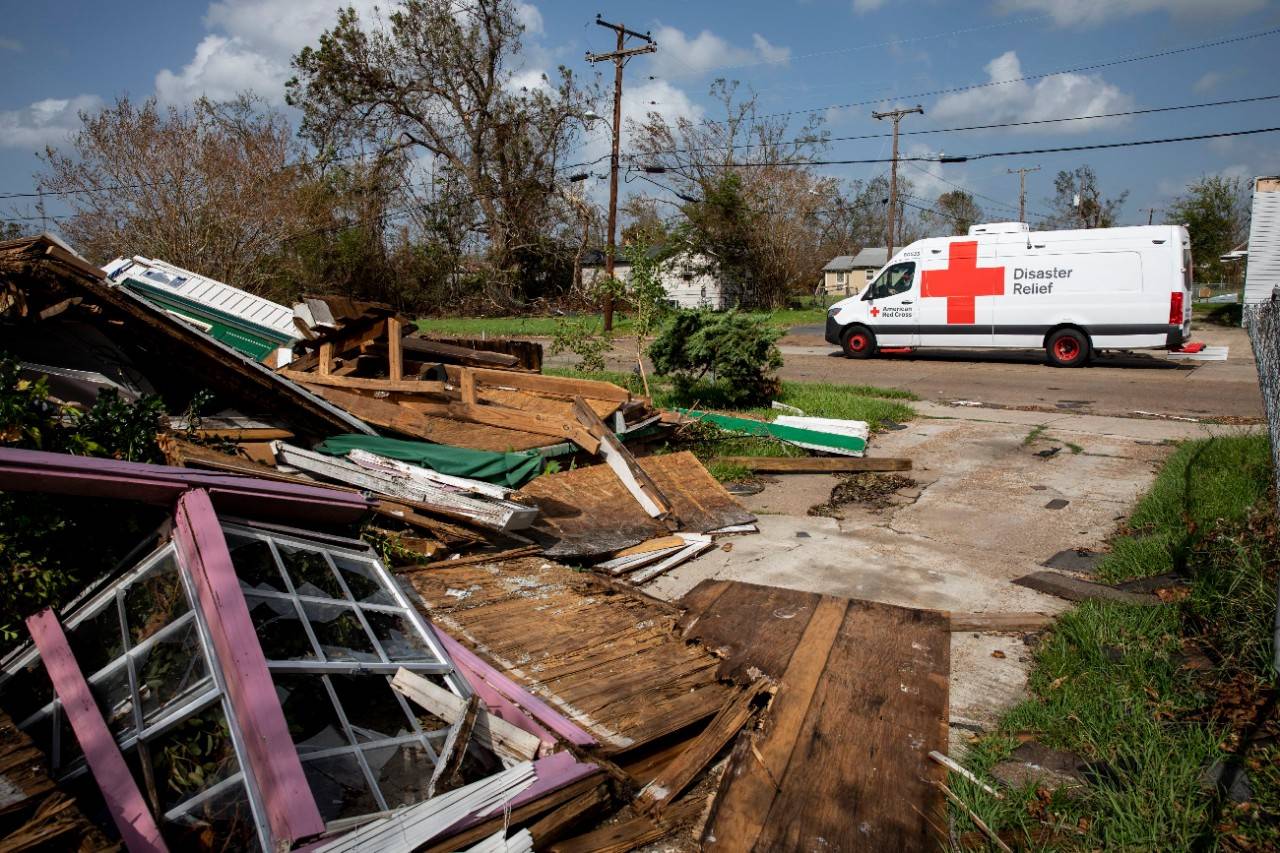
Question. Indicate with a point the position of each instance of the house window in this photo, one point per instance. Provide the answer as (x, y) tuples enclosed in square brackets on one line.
[(841, 277), (871, 274), (333, 628)]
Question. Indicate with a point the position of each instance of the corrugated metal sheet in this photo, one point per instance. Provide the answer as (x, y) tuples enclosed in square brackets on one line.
[(1263, 271)]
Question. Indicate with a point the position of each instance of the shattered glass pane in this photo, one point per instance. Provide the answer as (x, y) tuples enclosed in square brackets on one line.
[(115, 699), (255, 566), (339, 632), (27, 691), (362, 581), (192, 756), (310, 573), (154, 600), (339, 786), (403, 772), (97, 640), (170, 670), (371, 707), (398, 636), (280, 631), (40, 730), (222, 822), (313, 721)]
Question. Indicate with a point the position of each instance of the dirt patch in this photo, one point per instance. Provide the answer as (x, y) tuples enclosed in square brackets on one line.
[(873, 491)]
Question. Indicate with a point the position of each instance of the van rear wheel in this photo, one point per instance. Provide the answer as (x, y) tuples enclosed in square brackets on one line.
[(858, 342), (1067, 348)]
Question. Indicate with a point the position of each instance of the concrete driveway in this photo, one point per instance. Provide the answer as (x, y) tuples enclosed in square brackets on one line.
[(981, 514)]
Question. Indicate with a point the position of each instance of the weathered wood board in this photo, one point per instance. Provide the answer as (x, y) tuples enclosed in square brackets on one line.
[(842, 760), (607, 659), (588, 512)]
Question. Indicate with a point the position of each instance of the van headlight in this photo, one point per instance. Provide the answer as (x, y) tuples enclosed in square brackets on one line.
[(833, 310)]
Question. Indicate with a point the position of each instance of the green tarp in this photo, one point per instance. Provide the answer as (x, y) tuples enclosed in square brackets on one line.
[(507, 469)]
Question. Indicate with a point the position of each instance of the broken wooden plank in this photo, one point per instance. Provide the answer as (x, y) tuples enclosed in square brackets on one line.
[(659, 544), (622, 565), (376, 462), (462, 355), (637, 832), (870, 734), (1077, 589), (552, 825), (395, 350), (684, 555), (449, 762), (473, 559), (815, 464), (492, 732), (996, 623), (400, 386), (616, 455), (533, 422), (724, 727), (495, 513), (551, 386), (826, 442)]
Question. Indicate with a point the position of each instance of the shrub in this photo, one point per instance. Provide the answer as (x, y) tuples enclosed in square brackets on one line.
[(738, 353)]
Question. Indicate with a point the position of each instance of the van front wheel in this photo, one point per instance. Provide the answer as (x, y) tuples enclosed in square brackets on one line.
[(859, 342), (1067, 348)]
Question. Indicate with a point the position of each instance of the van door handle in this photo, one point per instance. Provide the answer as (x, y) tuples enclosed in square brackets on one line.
[(908, 302)]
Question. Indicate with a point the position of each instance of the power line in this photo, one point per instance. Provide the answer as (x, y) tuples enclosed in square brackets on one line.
[(991, 83), (972, 127), (964, 158)]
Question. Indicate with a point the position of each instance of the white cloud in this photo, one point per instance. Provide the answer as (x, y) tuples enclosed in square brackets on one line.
[(530, 18), (1050, 97), (862, 7), (1209, 81), (46, 122), (681, 56), (250, 46), (10, 44), (1086, 13)]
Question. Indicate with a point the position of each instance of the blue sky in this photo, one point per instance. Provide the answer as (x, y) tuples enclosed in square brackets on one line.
[(796, 54)]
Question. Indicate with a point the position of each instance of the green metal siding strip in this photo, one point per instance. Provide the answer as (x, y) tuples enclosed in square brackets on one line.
[(793, 435), (203, 312)]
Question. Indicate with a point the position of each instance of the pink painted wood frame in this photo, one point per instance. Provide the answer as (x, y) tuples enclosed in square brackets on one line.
[(124, 800), (481, 673), (292, 813), (551, 774)]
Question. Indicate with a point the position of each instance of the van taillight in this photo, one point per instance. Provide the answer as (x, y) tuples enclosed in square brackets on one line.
[(1175, 308)]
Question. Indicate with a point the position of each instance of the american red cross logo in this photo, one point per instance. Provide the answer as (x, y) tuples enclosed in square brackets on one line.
[(961, 281), (875, 312)]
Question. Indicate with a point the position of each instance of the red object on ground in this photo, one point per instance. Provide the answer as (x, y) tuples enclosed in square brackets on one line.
[(896, 349), (1194, 346)]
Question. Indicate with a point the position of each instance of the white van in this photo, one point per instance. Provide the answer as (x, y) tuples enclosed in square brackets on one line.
[(1072, 293)]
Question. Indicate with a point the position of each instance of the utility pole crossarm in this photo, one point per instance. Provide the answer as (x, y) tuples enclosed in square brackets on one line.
[(618, 57), (897, 116)]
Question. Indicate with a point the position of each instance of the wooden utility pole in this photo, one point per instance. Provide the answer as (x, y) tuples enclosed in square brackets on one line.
[(896, 115), (1151, 213), (1022, 189), (619, 58)]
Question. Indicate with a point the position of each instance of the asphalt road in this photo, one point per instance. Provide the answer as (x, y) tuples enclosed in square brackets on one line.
[(1112, 385)]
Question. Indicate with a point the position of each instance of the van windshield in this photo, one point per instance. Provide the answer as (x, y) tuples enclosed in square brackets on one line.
[(894, 280)]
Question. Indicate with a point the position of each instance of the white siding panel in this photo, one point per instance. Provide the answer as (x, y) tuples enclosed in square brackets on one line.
[(1263, 271)]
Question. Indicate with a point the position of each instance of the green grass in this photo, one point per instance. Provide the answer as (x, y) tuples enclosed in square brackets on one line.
[(1202, 481), (1108, 683), (1035, 433), (545, 326)]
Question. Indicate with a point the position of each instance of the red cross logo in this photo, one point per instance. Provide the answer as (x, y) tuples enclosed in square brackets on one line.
[(875, 312), (961, 281)]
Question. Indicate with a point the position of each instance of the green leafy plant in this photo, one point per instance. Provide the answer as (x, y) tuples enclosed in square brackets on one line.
[(737, 354), (581, 337)]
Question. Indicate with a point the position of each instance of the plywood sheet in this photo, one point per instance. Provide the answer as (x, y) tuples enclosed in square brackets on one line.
[(842, 760), (608, 660), (588, 512)]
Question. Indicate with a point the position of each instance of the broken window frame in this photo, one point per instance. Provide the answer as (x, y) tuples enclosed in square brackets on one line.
[(210, 689)]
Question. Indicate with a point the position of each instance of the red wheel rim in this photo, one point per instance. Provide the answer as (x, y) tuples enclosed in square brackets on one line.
[(1066, 349), (857, 342)]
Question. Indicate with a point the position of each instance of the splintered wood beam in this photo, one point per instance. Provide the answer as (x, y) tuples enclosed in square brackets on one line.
[(638, 482), (326, 358), (549, 386), (621, 837), (356, 383), (455, 747), (340, 346), (534, 422), (491, 731), (815, 464), (395, 349), (677, 775)]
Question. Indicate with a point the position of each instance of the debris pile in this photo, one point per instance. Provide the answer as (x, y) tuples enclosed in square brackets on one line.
[(351, 630)]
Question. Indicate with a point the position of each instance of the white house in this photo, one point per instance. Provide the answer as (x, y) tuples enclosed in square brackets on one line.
[(690, 279), (846, 275)]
